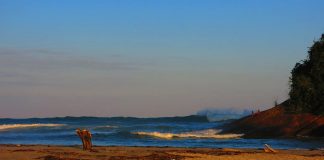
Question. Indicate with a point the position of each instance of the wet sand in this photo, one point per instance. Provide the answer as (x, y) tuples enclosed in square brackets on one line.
[(44, 152)]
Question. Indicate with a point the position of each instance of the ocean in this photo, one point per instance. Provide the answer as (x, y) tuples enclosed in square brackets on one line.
[(189, 131)]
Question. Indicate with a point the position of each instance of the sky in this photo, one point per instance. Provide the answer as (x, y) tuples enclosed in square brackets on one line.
[(149, 58)]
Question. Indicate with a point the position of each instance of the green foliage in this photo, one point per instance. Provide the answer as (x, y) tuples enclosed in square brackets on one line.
[(307, 82)]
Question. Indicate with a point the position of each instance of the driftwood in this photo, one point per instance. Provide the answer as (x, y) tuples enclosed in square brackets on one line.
[(85, 137), (268, 149)]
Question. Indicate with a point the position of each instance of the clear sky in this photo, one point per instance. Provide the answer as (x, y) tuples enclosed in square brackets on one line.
[(150, 57)]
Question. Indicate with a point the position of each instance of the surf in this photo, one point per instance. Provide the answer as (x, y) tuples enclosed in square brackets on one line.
[(208, 133), (14, 126)]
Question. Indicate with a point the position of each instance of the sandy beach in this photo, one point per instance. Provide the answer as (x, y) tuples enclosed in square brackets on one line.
[(45, 152)]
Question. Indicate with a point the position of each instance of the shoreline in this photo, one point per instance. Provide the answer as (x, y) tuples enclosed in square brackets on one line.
[(75, 152)]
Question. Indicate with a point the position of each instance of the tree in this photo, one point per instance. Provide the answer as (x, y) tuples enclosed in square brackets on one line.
[(307, 82)]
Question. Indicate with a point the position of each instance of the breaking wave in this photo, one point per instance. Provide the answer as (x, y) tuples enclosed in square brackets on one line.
[(218, 114), (13, 126), (208, 133)]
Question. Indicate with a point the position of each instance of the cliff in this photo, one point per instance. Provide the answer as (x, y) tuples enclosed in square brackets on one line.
[(276, 122)]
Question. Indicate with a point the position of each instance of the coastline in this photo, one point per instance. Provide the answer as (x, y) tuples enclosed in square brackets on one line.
[(276, 122), (54, 152)]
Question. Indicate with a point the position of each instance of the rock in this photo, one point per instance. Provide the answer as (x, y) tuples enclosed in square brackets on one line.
[(276, 122)]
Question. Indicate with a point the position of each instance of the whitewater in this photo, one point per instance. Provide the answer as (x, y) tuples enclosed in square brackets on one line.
[(208, 133), (12, 126)]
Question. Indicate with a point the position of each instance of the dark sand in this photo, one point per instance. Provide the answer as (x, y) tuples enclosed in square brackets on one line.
[(44, 152)]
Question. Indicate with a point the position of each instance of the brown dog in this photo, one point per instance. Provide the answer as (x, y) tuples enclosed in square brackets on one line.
[(85, 137)]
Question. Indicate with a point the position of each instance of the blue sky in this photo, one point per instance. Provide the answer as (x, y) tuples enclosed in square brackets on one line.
[(150, 58)]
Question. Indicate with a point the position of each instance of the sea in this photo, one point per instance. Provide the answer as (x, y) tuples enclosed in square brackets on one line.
[(188, 131)]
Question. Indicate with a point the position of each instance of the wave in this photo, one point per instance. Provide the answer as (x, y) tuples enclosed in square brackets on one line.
[(208, 133), (218, 114), (105, 127), (13, 126), (191, 118)]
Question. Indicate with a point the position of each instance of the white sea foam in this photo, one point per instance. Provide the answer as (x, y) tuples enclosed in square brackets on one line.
[(13, 126), (218, 114), (209, 133)]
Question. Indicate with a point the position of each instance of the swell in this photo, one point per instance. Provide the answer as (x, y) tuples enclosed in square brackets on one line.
[(191, 118), (14, 126)]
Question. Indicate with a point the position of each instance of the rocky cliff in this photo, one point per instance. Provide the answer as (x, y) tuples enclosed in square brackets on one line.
[(276, 122)]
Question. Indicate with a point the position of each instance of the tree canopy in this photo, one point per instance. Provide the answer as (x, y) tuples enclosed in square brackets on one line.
[(307, 82)]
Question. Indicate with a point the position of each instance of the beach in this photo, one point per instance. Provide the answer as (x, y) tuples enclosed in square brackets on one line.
[(54, 152)]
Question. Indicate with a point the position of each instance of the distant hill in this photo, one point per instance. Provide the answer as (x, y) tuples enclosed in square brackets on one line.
[(277, 122)]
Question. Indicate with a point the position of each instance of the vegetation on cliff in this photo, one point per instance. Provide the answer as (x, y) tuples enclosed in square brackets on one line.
[(307, 82)]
